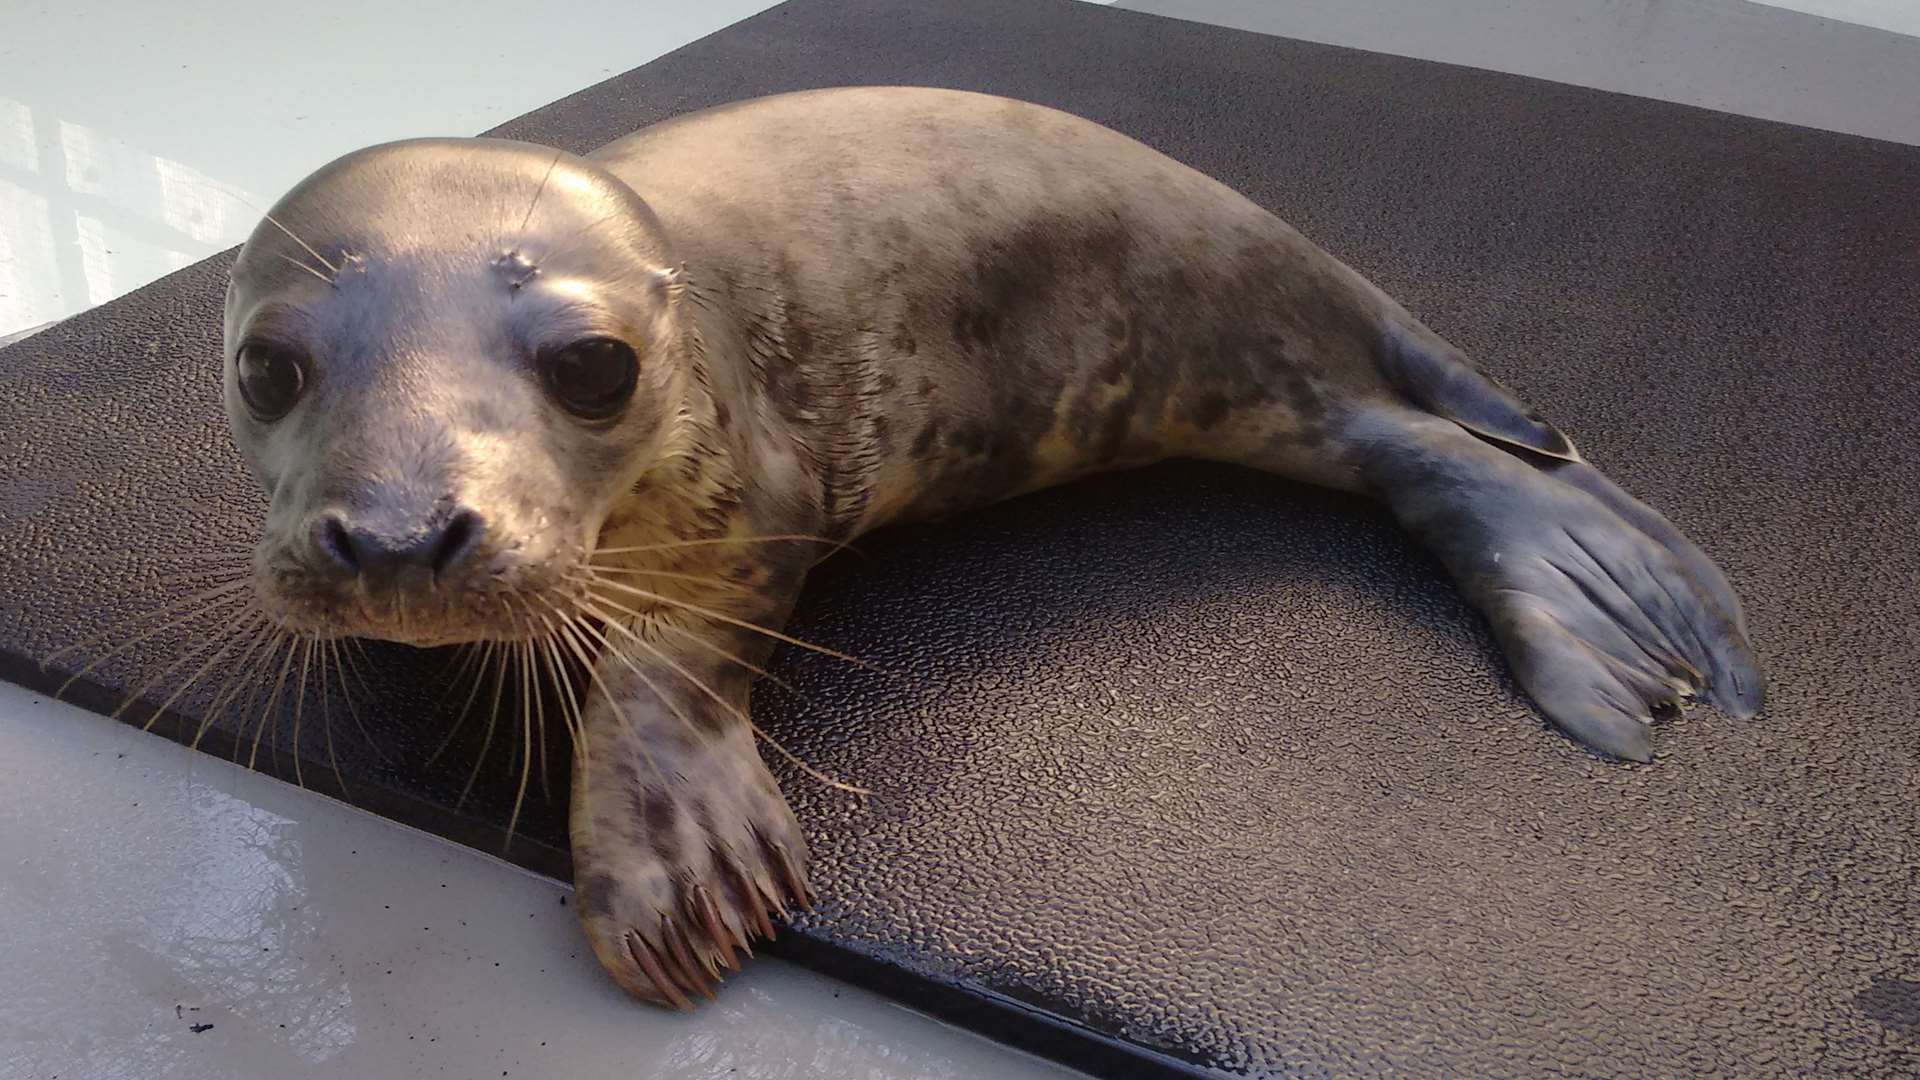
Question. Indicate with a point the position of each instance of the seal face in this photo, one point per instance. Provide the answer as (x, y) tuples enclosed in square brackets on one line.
[(446, 407), (610, 408)]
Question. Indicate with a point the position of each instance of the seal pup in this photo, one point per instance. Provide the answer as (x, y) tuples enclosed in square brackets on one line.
[(502, 393)]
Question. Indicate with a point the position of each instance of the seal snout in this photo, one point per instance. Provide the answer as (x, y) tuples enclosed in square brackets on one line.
[(360, 548)]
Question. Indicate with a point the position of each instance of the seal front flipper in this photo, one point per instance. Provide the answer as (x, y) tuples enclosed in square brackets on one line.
[(1604, 623), (684, 850)]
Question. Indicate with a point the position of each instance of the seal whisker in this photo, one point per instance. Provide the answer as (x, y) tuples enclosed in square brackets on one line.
[(524, 655), (258, 635), (567, 243), (611, 650), (479, 670), (456, 669), (210, 575), (353, 711), (299, 709), (255, 690), (756, 669), (572, 633), (321, 259), (567, 642), (576, 634), (192, 651), (235, 556), (267, 713), (296, 262), (276, 223), (557, 668), (330, 657), (228, 571), (711, 647), (220, 593), (223, 648), (740, 714), (486, 740), (594, 579), (530, 667), (536, 685), (837, 545), (537, 192), (253, 618)]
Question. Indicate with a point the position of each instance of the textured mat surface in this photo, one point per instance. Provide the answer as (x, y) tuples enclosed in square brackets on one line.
[(1190, 768)]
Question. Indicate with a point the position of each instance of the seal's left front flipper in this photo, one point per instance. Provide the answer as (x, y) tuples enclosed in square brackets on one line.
[(1607, 614)]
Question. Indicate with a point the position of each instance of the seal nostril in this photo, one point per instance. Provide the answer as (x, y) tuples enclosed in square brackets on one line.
[(331, 537), (462, 531)]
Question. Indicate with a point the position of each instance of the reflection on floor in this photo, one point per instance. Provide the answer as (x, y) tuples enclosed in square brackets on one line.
[(164, 914)]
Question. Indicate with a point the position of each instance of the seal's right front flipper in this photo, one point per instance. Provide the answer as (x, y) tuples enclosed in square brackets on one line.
[(1605, 623)]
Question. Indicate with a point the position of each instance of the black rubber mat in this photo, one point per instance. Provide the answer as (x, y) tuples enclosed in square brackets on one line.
[(1193, 769)]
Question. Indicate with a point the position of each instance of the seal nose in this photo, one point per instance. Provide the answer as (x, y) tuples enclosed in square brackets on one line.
[(437, 546)]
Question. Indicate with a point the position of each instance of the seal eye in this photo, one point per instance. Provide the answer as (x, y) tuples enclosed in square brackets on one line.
[(592, 377), (271, 378)]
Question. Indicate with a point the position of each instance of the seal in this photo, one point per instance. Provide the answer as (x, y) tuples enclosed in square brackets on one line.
[(605, 405)]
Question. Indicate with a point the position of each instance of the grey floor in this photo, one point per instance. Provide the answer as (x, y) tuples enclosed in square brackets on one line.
[(1732, 55)]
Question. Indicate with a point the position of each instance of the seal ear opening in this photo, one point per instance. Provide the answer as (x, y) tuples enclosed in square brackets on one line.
[(1439, 379)]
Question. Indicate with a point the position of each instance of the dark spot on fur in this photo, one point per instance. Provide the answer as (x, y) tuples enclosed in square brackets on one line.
[(924, 442), (722, 416), (1016, 276), (659, 813), (1180, 287), (1306, 400), (969, 438), (1212, 409), (659, 817), (629, 776), (595, 892), (1113, 431)]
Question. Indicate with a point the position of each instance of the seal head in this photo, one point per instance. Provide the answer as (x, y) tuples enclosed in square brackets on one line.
[(445, 361)]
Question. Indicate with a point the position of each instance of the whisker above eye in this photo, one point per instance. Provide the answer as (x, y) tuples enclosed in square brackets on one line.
[(291, 261), (537, 192), (321, 259)]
